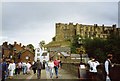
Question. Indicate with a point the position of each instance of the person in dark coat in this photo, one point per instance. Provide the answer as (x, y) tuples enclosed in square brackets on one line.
[(4, 68), (108, 66), (34, 67), (39, 67)]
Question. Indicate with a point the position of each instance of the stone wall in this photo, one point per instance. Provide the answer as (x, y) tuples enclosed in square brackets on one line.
[(73, 69)]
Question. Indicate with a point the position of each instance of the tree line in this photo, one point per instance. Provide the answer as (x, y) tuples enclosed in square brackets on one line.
[(99, 48)]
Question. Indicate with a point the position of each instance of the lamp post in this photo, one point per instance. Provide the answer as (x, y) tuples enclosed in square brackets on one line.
[(82, 68), (80, 51)]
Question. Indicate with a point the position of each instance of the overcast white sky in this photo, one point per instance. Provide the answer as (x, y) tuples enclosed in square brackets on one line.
[(31, 22)]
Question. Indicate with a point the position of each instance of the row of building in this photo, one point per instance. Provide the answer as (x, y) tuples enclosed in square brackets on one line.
[(17, 52)]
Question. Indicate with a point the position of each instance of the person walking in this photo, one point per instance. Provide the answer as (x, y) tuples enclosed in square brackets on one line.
[(47, 69), (108, 66), (11, 69), (16, 69), (19, 67), (93, 68), (39, 67), (3, 68), (24, 68), (28, 67), (56, 66), (34, 67), (51, 67)]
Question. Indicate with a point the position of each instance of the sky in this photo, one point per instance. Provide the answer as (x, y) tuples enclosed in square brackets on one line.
[(31, 22)]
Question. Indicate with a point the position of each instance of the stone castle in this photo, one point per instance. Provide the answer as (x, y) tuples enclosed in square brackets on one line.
[(68, 31), (65, 34)]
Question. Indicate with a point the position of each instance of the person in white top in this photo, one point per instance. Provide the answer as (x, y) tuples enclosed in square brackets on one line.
[(11, 69), (51, 67), (28, 67), (93, 68)]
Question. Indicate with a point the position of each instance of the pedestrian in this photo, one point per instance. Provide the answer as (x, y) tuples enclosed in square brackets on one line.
[(51, 67), (39, 67), (108, 67), (16, 69), (24, 68), (44, 64), (59, 66), (47, 69), (19, 67), (1, 69), (11, 69), (7, 71), (28, 67), (34, 67), (93, 63), (56, 66), (4, 68)]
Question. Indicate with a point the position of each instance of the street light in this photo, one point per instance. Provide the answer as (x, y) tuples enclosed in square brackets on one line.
[(80, 51), (82, 68)]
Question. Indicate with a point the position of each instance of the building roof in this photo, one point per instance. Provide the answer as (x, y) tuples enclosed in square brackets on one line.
[(78, 55), (26, 50), (44, 54), (65, 54)]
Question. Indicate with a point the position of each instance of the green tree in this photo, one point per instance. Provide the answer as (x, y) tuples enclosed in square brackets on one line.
[(114, 46), (42, 44), (95, 48), (74, 44), (99, 48)]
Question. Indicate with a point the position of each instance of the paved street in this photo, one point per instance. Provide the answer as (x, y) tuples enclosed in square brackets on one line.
[(45, 75)]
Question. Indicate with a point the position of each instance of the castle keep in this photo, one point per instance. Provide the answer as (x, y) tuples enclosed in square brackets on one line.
[(67, 31)]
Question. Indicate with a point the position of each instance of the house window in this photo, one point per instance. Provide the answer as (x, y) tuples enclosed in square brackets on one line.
[(38, 50), (38, 54)]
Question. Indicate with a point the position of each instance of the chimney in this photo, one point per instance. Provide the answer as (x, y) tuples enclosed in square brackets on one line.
[(15, 43), (114, 25), (5, 44), (95, 25), (23, 47), (20, 44), (103, 25)]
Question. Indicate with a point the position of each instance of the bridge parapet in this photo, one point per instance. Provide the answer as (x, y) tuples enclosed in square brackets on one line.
[(73, 69)]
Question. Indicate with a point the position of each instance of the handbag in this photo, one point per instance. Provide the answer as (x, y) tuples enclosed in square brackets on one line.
[(108, 78)]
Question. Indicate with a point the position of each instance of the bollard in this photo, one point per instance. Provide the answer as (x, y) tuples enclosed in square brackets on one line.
[(82, 72)]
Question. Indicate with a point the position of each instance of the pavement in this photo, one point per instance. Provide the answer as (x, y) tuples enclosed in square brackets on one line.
[(63, 74)]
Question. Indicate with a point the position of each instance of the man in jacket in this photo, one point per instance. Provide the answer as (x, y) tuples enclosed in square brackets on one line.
[(108, 66), (39, 67)]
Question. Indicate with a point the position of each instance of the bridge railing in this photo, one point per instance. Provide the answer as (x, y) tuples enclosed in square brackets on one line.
[(73, 69)]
